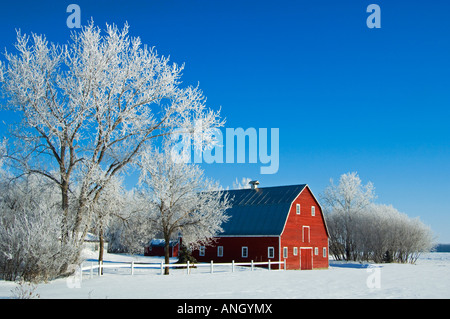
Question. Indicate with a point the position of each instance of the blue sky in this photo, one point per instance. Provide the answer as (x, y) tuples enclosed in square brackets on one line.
[(344, 97)]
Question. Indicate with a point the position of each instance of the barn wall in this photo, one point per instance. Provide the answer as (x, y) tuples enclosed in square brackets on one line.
[(294, 232), (232, 249), (175, 250), (154, 251), (159, 251)]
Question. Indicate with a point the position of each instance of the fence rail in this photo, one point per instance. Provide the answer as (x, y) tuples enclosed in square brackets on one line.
[(133, 265)]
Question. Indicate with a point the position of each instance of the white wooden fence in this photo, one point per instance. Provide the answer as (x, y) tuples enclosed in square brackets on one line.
[(133, 265)]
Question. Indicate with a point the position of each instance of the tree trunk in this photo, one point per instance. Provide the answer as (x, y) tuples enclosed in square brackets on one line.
[(166, 253), (64, 186), (65, 208)]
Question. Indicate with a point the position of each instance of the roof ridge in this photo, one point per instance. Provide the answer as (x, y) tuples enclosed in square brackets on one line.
[(266, 187)]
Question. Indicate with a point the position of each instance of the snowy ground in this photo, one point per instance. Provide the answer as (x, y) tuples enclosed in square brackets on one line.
[(428, 278)]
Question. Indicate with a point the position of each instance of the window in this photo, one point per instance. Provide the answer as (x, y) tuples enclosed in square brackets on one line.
[(244, 252), (313, 211), (219, 251), (305, 235), (295, 251), (324, 252), (270, 252), (316, 251), (285, 252), (298, 209), (201, 251)]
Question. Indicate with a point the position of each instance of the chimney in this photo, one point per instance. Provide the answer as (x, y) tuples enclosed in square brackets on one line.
[(254, 184)]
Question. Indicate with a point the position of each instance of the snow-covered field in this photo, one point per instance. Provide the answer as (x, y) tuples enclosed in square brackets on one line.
[(428, 278)]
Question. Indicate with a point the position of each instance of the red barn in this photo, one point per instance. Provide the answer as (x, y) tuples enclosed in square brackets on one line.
[(156, 248), (273, 223)]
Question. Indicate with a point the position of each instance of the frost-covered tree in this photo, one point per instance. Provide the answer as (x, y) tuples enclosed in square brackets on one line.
[(243, 184), (89, 107), (385, 235), (130, 233), (362, 230), (30, 229), (344, 201), (110, 203), (180, 200), (2, 154)]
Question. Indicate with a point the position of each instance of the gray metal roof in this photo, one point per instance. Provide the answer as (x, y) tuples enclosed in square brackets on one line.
[(260, 211)]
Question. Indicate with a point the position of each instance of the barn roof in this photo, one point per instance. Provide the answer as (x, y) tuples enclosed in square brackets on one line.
[(260, 211)]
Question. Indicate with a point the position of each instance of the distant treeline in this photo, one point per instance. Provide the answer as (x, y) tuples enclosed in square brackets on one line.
[(442, 248)]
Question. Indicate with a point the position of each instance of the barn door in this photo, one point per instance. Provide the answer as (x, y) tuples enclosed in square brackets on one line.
[(305, 258)]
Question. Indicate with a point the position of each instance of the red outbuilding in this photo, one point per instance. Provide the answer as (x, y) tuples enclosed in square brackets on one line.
[(276, 223), (156, 248)]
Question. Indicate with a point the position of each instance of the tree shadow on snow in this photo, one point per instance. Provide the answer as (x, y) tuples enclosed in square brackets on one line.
[(349, 264)]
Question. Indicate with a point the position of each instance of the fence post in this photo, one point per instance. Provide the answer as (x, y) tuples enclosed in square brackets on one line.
[(252, 265), (100, 268), (212, 267), (232, 266), (269, 264), (132, 268), (187, 267), (161, 267)]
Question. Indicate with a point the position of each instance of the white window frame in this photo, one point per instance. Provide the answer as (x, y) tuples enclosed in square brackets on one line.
[(324, 252), (201, 251), (316, 251), (295, 251), (313, 211), (244, 248), (219, 251), (298, 209), (270, 252), (285, 252)]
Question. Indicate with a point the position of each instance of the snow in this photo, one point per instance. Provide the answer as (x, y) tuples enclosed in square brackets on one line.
[(428, 278)]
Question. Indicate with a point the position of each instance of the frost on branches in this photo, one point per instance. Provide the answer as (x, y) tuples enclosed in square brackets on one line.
[(87, 110), (361, 230), (180, 201), (30, 229)]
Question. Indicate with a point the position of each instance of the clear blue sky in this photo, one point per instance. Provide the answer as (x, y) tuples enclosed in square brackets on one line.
[(345, 97)]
